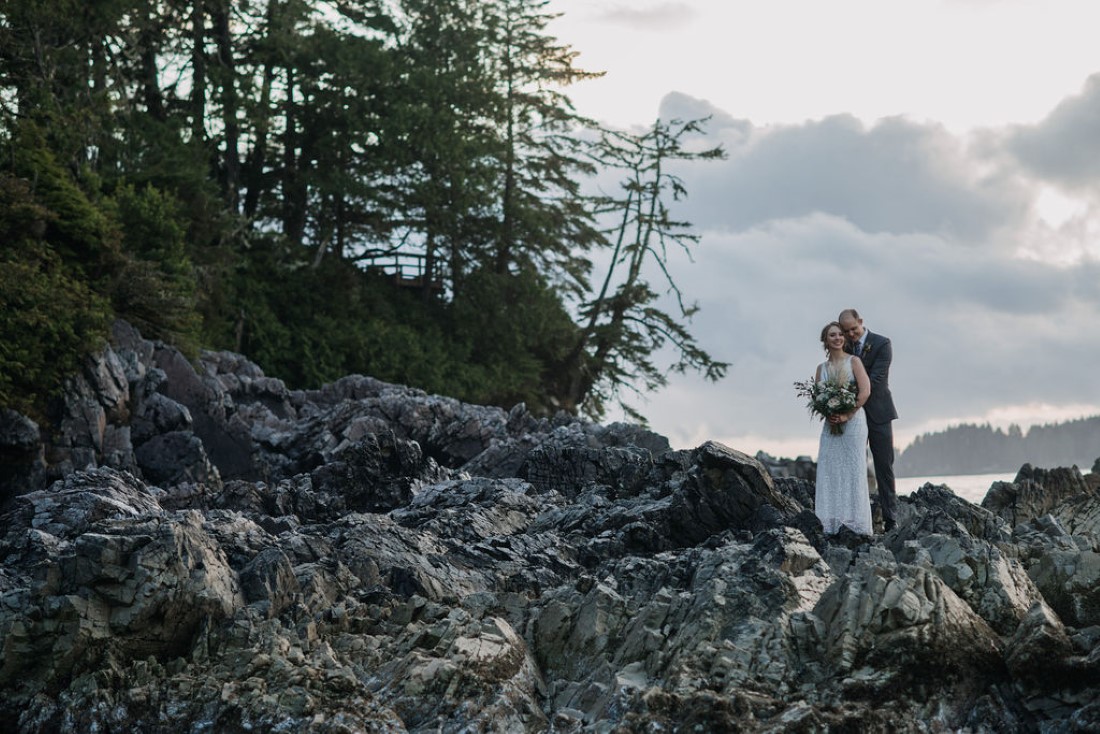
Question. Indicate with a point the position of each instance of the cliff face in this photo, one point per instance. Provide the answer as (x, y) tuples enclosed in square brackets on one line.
[(208, 551)]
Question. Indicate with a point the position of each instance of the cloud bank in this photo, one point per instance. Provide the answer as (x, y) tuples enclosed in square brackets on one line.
[(939, 240)]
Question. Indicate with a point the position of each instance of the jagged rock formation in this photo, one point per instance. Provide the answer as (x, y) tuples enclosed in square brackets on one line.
[(205, 550)]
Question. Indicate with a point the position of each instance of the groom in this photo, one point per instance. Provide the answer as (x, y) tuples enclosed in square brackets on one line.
[(876, 353)]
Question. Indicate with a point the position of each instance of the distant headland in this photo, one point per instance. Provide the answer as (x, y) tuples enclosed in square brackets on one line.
[(982, 449)]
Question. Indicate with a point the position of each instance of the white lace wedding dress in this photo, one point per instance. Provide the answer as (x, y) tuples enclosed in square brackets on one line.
[(841, 497)]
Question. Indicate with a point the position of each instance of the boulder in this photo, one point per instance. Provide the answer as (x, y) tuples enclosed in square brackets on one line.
[(158, 414), (936, 509), (125, 588), (269, 579), (173, 458), (73, 505), (571, 460), (995, 586), (802, 467), (377, 473), (1069, 581), (727, 489), (1034, 492)]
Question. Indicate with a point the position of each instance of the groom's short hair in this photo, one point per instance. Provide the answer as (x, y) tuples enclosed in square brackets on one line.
[(848, 312)]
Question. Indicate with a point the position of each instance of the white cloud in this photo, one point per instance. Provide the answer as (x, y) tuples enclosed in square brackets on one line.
[(1063, 147), (920, 231), (1055, 208), (1072, 241), (964, 64), (661, 17), (894, 176)]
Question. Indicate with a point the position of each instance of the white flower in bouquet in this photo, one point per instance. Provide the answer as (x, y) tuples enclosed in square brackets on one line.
[(826, 398)]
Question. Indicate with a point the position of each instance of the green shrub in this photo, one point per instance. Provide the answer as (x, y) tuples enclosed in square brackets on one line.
[(85, 238), (49, 317), (155, 286)]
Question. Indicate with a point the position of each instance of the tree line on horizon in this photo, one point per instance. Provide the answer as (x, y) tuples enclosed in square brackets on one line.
[(982, 449), (229, 175)]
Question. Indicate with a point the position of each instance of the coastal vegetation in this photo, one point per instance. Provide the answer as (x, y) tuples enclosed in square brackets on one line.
[(981, 449), (399, 189)]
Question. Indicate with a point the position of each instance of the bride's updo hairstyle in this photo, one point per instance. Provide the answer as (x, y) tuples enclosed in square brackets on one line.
[(825, 333)]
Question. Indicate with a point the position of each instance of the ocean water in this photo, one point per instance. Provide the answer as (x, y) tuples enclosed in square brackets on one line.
[(971, 487)]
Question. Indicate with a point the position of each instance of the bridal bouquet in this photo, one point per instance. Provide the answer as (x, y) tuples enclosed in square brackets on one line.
[(826, 398)]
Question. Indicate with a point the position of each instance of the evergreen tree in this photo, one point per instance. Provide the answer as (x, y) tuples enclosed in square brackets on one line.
[(443, 136), (545, 221), (625, 324)]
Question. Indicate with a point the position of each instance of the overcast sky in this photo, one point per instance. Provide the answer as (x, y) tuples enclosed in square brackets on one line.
[(935, 164)]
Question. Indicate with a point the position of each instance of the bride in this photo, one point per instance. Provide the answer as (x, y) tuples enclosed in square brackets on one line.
[(842, 497)]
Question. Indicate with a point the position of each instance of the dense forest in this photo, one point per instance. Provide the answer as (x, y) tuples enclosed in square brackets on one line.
[(972, 449), (398, 189)]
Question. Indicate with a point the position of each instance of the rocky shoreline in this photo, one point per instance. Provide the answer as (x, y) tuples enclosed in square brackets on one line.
[(204, 550)]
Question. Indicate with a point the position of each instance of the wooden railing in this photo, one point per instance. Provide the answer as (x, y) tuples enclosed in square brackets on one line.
[(406, 270)]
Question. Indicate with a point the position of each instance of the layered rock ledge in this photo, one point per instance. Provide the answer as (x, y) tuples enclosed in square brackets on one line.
[(196, 548)]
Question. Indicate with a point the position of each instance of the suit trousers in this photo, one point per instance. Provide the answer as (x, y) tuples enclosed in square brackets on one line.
[(880, 436)]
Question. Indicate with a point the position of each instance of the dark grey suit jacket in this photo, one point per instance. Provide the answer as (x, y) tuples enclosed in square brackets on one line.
[(876, 356)]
